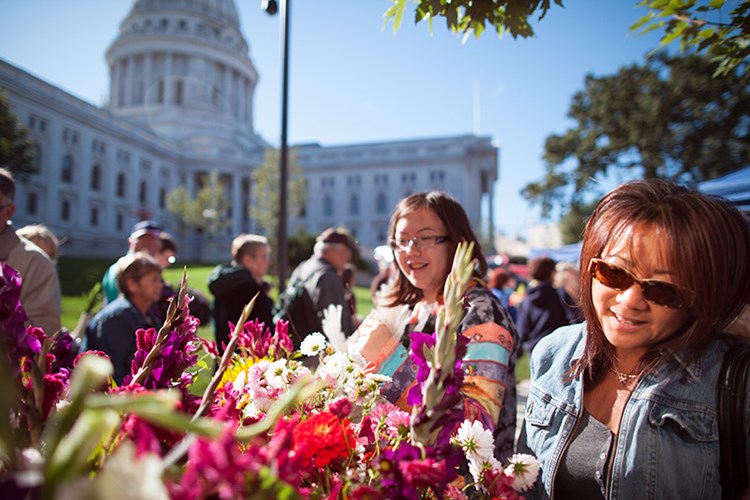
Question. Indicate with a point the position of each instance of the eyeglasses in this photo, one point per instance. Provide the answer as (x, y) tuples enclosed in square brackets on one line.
[(418, 242), (5, 205), (658, 292)]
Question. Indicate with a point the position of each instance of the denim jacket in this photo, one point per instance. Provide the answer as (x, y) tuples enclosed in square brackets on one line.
[(668, 443)]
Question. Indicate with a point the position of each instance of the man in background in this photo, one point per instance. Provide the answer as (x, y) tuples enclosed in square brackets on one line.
[(40, 287)]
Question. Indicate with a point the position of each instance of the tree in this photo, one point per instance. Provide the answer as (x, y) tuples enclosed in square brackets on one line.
[(724, 36), (469, 16), (264, 207), (668, 119), (702, 26), (16, 148), (208, 211)]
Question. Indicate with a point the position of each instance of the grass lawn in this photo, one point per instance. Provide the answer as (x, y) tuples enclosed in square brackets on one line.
[(78, 276)]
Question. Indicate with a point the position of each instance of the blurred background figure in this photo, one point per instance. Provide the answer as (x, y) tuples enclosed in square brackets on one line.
[(235, 283), (503, 284), (386, 271), (349, 279), (567, 282), (113, 328), (145, 237), (40, 287), (168, 253), (42, 237), (541, 311)]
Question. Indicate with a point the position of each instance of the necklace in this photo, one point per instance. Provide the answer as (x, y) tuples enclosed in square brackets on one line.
[(625, 378)]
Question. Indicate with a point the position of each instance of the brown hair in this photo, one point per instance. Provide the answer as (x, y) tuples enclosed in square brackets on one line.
[(134, 266), (541, 268), (708, 242), (458, 229), (498, 278), (247, 244)]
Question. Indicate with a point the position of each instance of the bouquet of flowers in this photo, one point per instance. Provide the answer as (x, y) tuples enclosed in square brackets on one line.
[(263, 426)]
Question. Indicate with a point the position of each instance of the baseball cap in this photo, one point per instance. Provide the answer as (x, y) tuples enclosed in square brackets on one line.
[(333, 235), (145, 227)]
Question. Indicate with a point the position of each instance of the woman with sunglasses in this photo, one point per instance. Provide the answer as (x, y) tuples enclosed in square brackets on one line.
[(624, 405), (424, 231)]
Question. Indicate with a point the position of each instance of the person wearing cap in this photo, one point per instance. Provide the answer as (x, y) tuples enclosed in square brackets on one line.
[(321, 275), (145, 237), (40, 287)]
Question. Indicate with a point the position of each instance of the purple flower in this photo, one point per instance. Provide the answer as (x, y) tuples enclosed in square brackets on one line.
[(18, 343)]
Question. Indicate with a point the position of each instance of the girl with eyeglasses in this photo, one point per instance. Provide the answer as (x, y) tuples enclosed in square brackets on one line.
[(624, 405), (424, 231)]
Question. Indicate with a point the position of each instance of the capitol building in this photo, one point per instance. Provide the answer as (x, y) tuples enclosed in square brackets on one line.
[(180, 107)]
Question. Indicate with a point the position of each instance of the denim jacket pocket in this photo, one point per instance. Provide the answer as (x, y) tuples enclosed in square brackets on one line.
[(544, 418), (694, 422)]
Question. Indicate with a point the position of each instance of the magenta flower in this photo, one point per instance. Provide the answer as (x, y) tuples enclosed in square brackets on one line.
[(215, 469)]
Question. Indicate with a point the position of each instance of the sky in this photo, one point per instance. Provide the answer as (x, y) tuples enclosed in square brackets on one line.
[(353, 80)]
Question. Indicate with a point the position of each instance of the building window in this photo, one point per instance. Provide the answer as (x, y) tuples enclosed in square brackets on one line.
[(381, 204), (354, 205), (121, 185), (96, 178), (327, 206), (65, 210), (178, 92), (32, 201), (142, 192), (94, 216), (66, 172), (36, 158), (163, 198), (119, 222)]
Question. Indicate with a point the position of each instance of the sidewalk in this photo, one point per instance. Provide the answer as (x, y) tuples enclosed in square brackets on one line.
[(522, 392)]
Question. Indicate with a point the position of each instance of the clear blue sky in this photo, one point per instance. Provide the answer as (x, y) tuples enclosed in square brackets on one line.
[(351, 80)]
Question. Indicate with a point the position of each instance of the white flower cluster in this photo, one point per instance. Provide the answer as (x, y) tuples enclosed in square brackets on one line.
[(477, 444), (342, 376)]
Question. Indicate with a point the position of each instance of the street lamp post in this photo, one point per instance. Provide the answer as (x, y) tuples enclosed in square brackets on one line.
[(271, 7)]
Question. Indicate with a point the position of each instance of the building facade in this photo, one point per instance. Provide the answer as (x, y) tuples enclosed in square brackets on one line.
[(180, 107)]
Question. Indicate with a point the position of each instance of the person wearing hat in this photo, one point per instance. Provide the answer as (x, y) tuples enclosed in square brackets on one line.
[(321, 277), (145, 237)]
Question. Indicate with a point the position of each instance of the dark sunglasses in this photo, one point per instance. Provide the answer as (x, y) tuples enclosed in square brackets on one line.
[(658, 292)]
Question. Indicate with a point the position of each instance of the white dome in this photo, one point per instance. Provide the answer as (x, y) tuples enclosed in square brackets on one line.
[(181, 68), (220, 9)]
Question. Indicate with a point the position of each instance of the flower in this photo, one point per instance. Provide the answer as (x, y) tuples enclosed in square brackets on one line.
[(323, 438), (524, 470), (313, 344), (476, 441)]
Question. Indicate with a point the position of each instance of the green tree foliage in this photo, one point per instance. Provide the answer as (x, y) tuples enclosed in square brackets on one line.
[(208, 211), (668, 119), (722, 32), (573, 222), (16, 148), (467, 16), (264, 207)]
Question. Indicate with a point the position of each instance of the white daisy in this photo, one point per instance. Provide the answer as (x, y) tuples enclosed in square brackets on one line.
[(524, 470), (313, 344), (475, 440), (277, 374)]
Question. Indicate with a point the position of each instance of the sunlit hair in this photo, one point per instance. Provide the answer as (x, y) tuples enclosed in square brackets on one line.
[(247, 244), (705, 246), (457, 228), (43, 237), (134, 267)]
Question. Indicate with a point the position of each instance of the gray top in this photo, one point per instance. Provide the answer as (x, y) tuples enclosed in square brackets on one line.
[(583, 468)]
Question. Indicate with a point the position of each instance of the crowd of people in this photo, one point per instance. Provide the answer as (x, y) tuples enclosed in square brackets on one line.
[(625, 345)]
